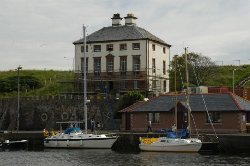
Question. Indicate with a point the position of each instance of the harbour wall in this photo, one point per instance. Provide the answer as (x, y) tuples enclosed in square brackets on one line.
[(37, 113), (129, 142)]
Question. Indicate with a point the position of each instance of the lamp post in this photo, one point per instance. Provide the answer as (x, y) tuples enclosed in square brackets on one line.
[(18, 96), (233, 79), (68, 62)]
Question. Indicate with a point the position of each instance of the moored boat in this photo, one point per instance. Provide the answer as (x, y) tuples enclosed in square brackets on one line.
[(7, 144), (175, 141), (73, 137), (165, 144)]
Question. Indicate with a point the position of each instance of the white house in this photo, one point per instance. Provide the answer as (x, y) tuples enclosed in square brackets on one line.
[(124, 57)]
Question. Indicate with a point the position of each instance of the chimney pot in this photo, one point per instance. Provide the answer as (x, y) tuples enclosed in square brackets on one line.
[(116, 20), (130, 19)]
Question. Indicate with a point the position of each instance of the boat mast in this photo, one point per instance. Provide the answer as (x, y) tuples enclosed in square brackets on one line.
[(176, 113), (85, 82), (188, 102)]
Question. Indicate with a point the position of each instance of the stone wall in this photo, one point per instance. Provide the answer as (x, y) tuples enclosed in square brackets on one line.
[(37, 113)]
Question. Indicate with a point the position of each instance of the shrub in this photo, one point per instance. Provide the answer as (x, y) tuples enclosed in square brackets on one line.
[(9, 84)]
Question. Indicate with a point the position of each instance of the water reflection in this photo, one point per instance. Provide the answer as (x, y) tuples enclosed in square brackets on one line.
[(108, 157)]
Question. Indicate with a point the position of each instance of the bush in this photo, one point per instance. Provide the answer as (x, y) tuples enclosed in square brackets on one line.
[(129, 99), (9, 84)]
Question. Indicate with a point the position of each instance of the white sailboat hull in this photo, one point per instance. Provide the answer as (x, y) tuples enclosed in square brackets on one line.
[(87, 141), (172, 145)]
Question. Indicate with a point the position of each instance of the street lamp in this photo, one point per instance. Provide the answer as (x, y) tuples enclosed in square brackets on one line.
[(233, 79), (18, 96), (68, 62)]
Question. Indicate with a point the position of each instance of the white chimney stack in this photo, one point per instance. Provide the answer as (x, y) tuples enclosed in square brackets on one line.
[(130, 19), (116, 20)]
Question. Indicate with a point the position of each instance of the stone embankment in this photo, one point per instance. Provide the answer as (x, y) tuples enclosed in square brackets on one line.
[(37, 113)]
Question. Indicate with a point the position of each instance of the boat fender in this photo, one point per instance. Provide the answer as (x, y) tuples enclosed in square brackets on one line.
[(44, 117), (45, 133), (53, 133)]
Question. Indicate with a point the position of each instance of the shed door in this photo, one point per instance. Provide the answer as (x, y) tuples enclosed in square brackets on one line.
[(128, 121), (182, 117)]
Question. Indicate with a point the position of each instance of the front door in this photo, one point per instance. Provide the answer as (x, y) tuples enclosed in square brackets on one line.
[(127, 121), (110, 85), (182, 117)]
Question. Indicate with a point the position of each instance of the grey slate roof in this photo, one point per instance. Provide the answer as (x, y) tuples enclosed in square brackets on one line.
[(119, 33), (214, 102), (244, 104)]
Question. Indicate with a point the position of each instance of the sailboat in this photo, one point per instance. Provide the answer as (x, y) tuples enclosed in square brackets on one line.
[(74, 137), (175, 141)]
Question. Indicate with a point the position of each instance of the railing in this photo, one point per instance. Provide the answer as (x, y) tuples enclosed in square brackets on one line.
[(244, 81)]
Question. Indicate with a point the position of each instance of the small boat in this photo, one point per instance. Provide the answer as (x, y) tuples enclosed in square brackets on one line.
[(73, 137), (164, 144), (175, 141), (171, 143), (7, 144)]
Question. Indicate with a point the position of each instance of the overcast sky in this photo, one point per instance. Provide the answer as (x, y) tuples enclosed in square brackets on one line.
[(38, 34)]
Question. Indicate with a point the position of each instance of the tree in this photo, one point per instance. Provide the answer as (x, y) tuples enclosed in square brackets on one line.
[(203, 68), (200, 69), (9, 84), (127, 100)]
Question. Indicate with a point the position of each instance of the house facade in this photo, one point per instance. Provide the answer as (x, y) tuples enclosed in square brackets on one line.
[(228, 113), (123, 58)]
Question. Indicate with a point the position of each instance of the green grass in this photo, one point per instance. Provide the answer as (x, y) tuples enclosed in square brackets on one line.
[(224, 75), (51, 82)]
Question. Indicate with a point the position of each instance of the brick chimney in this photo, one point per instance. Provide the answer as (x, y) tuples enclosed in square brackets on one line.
[(130, 19), (116, 20)]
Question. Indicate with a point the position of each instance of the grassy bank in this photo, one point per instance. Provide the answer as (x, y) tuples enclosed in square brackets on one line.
[(224, 75), (50, 80)]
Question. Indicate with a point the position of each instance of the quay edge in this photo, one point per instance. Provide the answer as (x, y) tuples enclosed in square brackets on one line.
[(35, 138), (129, 142)]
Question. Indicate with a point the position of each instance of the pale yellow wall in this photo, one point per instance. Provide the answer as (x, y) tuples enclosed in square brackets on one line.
[(159, 58), (116, 52), (144, 45)]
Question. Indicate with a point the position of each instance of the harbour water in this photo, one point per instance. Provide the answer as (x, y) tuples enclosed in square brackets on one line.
[(89, 157)]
